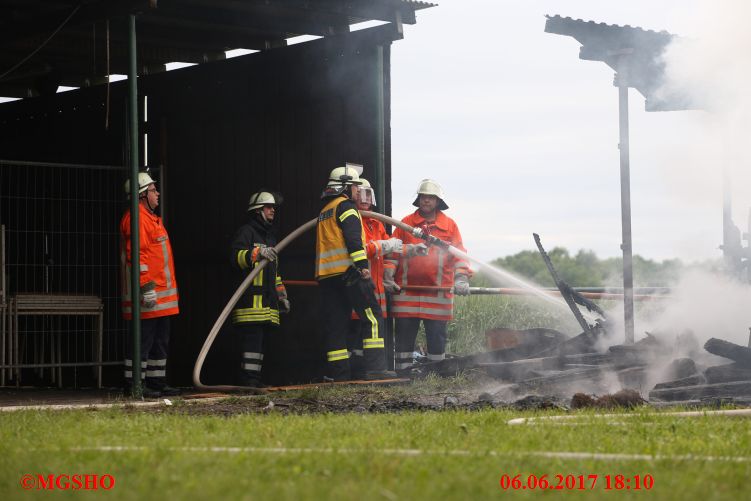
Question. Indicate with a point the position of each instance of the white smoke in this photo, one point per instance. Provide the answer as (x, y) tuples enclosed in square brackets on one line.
[(707, 304), (711, 66)]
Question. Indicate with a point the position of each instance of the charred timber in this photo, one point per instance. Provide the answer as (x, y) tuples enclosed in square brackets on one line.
[(566, 291), (735, 352), (696, 379), (727, 373), (586, 342), (698, 392), (561, 377)]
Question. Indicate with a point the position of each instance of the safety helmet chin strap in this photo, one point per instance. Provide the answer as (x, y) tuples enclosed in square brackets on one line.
[(262, 217), (145, 196)]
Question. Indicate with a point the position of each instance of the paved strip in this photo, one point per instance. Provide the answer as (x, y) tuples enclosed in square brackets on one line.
[(585, 417), (67, 407), (597, 456)]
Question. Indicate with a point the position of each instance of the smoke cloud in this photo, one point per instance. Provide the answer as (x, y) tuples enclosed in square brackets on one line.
[(707, 304), (712, 68)]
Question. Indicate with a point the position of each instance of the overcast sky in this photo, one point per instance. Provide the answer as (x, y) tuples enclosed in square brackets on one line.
[(523, 135)]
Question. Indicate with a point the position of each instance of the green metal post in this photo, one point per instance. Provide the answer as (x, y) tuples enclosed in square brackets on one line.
[(380, 166), (135, 269)]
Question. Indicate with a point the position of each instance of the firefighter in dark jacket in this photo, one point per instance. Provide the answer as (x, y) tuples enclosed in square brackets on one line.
[(344, 278), (257, 311)]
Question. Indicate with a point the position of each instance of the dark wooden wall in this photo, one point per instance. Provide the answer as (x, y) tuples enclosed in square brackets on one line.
[(280, 119)]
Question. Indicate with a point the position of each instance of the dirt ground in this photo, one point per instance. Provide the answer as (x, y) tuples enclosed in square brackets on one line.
[(434, 394)]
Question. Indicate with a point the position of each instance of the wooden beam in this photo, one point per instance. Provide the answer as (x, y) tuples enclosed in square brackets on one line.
[(361, 10), (194, 34), (89, 12), (271, 17)]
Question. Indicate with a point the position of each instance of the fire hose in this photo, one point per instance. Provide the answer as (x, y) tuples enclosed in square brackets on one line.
[(262, 264), (416, 232), (228, 308)]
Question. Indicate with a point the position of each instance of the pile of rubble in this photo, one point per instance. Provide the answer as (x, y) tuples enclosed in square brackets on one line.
[(547, 362), (732, 381)]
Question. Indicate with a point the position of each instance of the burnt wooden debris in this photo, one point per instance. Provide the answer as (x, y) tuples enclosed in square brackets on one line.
[(571, 297), (545, 362), (739, 354)]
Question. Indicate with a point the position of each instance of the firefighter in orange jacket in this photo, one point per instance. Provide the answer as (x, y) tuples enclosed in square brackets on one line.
[(344, 278), (158, 293), (377, 245), (438, 269)]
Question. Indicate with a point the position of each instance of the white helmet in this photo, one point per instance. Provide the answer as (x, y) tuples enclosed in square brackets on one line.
[(261, 198), (366, 193), (430, 187), (349, 174), (144, 181), (340, 178)]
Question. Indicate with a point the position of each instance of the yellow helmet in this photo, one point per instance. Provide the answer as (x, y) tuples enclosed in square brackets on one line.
[(144, 181), (430, 187)]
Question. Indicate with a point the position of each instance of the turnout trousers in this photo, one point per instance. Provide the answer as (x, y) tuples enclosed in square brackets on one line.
[(406, 333), (337, 302), (249, 339), (154, 344)]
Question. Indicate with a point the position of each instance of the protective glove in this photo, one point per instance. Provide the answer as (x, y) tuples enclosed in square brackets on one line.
[(461, 285), (284, 305), (148, 298), (389, 285), (417, 250), (391, 245), (268, 253)]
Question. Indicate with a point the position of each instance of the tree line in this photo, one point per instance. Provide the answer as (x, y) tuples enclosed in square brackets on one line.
[(585, 269)]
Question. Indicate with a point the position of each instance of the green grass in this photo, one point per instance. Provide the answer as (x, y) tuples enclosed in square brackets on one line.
[(357, 466)]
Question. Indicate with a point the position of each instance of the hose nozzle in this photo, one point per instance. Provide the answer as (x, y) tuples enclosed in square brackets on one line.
[(430, 239)]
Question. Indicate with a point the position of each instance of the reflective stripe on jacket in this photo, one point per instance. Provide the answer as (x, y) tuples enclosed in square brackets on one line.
[(374, 231), (339, 238), (436, 269), (156, 265), (260, 302)]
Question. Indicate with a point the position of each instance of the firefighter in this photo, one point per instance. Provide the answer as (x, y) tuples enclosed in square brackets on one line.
[(438, 269), (256, 314), (377, 245), (158, 290), (344, 278)]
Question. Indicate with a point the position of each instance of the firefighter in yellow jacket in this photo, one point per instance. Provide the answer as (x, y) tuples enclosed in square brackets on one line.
[(344, 278)]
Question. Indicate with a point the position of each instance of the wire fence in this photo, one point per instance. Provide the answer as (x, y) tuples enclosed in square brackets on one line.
[(61, 243)]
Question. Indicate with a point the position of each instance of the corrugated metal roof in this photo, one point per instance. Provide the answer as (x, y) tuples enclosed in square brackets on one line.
[(417, 5), (592, 24), (638, 48), (33, 62)]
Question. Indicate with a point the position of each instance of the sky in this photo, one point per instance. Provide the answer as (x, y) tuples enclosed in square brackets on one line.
[(523, 135)]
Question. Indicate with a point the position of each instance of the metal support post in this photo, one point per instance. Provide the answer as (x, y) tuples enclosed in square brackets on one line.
[(135, 269), (623, 146), (380, 166)]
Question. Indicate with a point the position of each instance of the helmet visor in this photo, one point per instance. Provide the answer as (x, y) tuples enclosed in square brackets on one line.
[(366, 195)]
